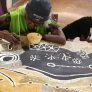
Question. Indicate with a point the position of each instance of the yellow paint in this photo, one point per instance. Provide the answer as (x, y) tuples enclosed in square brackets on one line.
[(6, 85)]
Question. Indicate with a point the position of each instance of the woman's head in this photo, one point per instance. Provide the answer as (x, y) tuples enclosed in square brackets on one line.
[(38, 10)]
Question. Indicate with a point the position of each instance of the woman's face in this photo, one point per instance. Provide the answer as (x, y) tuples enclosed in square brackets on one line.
[(31, 23)]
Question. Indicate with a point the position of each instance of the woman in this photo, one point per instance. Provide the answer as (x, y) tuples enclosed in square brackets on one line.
[(31, 19)]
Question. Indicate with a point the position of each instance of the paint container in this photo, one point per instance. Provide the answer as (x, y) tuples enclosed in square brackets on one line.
[(5, 46), (34, 38)]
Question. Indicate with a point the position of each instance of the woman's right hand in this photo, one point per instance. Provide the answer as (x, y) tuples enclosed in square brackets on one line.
[(10, 37)]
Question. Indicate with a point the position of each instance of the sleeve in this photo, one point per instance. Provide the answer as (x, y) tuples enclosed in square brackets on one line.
[(52, 25), (5, 22), (52, 22)]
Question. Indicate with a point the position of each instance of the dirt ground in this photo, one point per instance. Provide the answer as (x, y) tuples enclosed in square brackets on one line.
[(68, 10)]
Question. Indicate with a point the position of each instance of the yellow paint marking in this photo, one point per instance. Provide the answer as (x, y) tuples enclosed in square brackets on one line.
[(8, 78)]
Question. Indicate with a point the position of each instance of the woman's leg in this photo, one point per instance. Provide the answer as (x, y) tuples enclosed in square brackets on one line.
[(4, 6)]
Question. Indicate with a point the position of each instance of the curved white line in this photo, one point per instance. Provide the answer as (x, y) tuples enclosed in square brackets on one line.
[(15, 57), (57, 75)]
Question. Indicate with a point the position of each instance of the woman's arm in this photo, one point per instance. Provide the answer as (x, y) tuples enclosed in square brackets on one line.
[(56, 36), (4, 27)]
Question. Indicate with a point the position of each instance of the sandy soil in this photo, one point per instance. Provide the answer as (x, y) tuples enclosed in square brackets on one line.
[(68, 10)]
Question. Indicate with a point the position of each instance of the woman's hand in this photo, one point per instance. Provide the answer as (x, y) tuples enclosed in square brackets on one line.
[(10, 37)]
